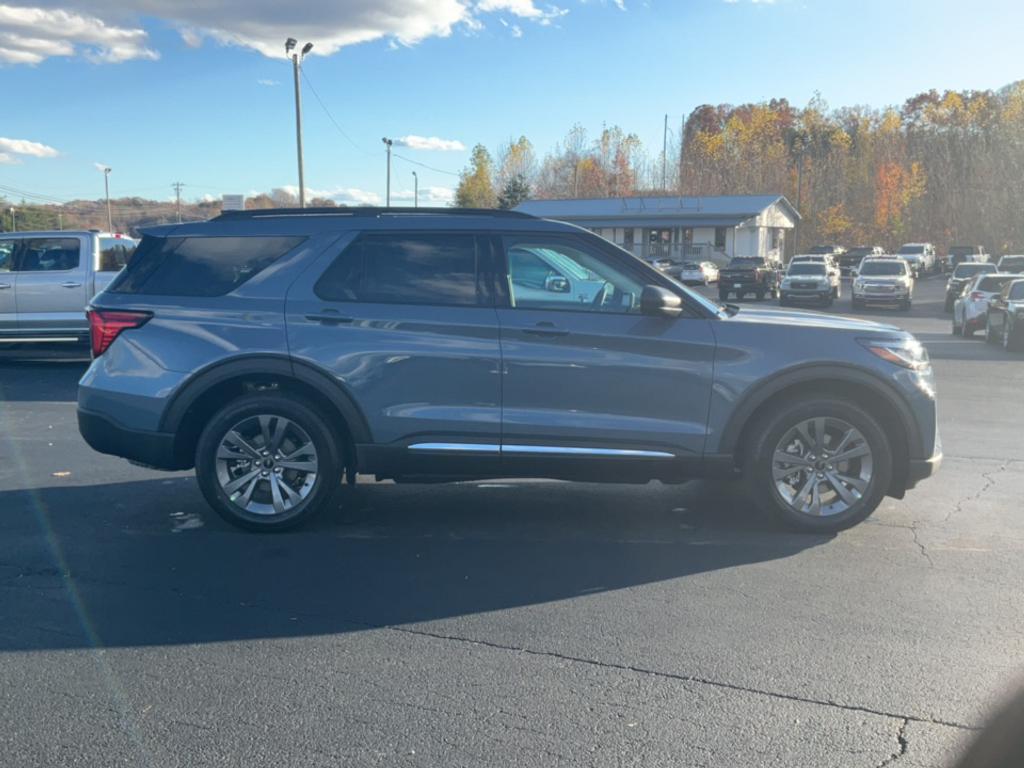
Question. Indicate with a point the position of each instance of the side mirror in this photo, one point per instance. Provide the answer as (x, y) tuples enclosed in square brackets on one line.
[(655, 300), (556, 284)]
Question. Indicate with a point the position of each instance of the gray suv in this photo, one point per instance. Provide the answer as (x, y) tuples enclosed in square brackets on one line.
[(280, 352)]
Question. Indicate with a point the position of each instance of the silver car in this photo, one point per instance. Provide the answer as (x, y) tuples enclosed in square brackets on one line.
[(970, 309)]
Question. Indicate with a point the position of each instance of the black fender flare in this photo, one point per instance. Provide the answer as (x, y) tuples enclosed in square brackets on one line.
[(267, 364), (768, 388)]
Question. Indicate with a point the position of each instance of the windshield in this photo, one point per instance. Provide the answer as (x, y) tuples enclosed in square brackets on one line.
[(970, 270), (911, 249), (806, 268), (890, 268)]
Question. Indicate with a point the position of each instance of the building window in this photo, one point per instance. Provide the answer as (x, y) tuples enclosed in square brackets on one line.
[(627, 237), (720, 238), (776, 237)]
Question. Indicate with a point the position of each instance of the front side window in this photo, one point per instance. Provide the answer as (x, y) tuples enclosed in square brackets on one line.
[(49, 254), (558, 274), (1017, 291), (7, 255), (410, 268)]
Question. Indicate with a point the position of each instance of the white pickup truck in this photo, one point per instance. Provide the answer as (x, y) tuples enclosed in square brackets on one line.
[(47, 278)]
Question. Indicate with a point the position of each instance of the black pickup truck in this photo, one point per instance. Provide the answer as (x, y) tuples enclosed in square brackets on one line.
[(749, 274)]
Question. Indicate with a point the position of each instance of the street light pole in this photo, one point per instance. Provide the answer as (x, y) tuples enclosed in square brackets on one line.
[(14, 222), (106, 190), (297, 58), (387, 195), (415, 190)]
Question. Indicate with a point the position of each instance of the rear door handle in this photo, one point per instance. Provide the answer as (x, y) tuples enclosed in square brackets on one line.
[(4, 285), (70, 284), (545, 329), (329, 317)]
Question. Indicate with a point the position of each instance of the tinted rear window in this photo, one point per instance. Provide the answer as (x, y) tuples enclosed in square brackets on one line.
[(1017, 291), (743, 262), (198, 266), (1011, 263), (970, 270), (408, 268), (992, 284), (912, 249)]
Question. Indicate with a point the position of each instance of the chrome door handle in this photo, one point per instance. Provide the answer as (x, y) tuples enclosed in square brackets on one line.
[(545, 332), (4, 285), (69, 284)]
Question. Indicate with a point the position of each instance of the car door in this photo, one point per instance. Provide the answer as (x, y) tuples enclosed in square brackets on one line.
[(51, 285), (405, 322), (8, 305), (591, 375)]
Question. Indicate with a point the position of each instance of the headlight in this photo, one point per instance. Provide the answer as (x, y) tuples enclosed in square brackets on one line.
[(906, 353), (858, 283), (786, 282)]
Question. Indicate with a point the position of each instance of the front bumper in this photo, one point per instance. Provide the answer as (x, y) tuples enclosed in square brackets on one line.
[(153, 449), (921, 469), (789, 294), (872, 297)]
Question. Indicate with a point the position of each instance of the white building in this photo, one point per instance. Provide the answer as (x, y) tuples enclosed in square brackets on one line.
[(678, 228)]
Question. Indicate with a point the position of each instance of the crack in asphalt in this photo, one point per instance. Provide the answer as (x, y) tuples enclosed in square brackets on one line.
[(905, 719), (902, 745)]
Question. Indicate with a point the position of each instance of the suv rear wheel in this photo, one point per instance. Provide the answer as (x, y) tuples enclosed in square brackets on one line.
[(820, 465), (267, 462)]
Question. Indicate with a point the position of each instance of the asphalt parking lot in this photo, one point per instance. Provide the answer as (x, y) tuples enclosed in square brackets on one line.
[(507, 623)]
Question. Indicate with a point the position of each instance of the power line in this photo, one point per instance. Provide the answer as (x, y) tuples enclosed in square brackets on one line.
[(424, 165), (329, 115)]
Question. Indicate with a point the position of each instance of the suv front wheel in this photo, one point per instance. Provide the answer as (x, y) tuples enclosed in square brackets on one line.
[(268, 462), (818, 465)]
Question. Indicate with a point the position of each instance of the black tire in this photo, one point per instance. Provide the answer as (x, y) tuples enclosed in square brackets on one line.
[(829, 301), (856, 304), (783, 302), (949, 304), (765, 435), (329, 454), (723, 295), (905, 305), (759, 295), (990, 334), (957, 329)]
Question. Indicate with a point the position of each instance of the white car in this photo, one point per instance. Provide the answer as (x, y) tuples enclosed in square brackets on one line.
[(697, 273), (920, 256), (1011, 263), (809, 281), (834, 272), (883, 281), (970, 309)]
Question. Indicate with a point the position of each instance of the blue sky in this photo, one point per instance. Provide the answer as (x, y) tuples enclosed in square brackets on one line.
[(161, 97)]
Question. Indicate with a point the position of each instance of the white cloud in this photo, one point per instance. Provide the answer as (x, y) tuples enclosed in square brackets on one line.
[(267, 82), (24, 147), (438, 196), (430, 142), (28, 35), (346, 195), (110, 30), (8, 159)]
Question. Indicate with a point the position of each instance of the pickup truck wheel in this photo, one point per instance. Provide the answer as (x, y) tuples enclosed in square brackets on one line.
[(905, 305), (266, 462), (722, 295), (990, 332), (818, 465), (759, 295)]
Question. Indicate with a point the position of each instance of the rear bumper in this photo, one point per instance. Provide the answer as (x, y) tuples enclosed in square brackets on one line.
[(153, 449)]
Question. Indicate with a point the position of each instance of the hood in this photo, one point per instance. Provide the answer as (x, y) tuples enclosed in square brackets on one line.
[(797, 318)]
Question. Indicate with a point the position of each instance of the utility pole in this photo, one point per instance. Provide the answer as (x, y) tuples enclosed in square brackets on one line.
[(60, 220), (14, 222), (664, 156), (387, 196), (177, 198), (106, 190), (297, 58), (799, 200), (415, 190)]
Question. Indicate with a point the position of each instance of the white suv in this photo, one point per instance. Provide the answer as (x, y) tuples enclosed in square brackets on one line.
[(883, 281)]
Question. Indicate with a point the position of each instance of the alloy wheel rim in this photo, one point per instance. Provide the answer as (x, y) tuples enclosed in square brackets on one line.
[(266, 465), (822, 467)]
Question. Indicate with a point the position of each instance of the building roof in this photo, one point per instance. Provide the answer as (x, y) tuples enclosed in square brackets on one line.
[(724, 210)]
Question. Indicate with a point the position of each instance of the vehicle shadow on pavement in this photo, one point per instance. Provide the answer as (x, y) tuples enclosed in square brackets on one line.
[(53, 379), (147, 563)]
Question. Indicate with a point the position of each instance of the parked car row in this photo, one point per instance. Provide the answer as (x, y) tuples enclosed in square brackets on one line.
[(687, 272), (992, 302), (966, 271)]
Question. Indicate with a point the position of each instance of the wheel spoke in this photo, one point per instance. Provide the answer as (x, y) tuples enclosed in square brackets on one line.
[(294, 497), (241, 442), (280, 427), (247, 496), (792, 459), (238, 482), (232, 453), (798, 500), (852, 453), (265, 430), (845, 441), (275, 494), (815, 508), (299, 466), (848, 497), (819, 434)]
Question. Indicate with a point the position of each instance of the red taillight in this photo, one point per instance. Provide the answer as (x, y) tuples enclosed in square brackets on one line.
[(106, 324), (977, 295)]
